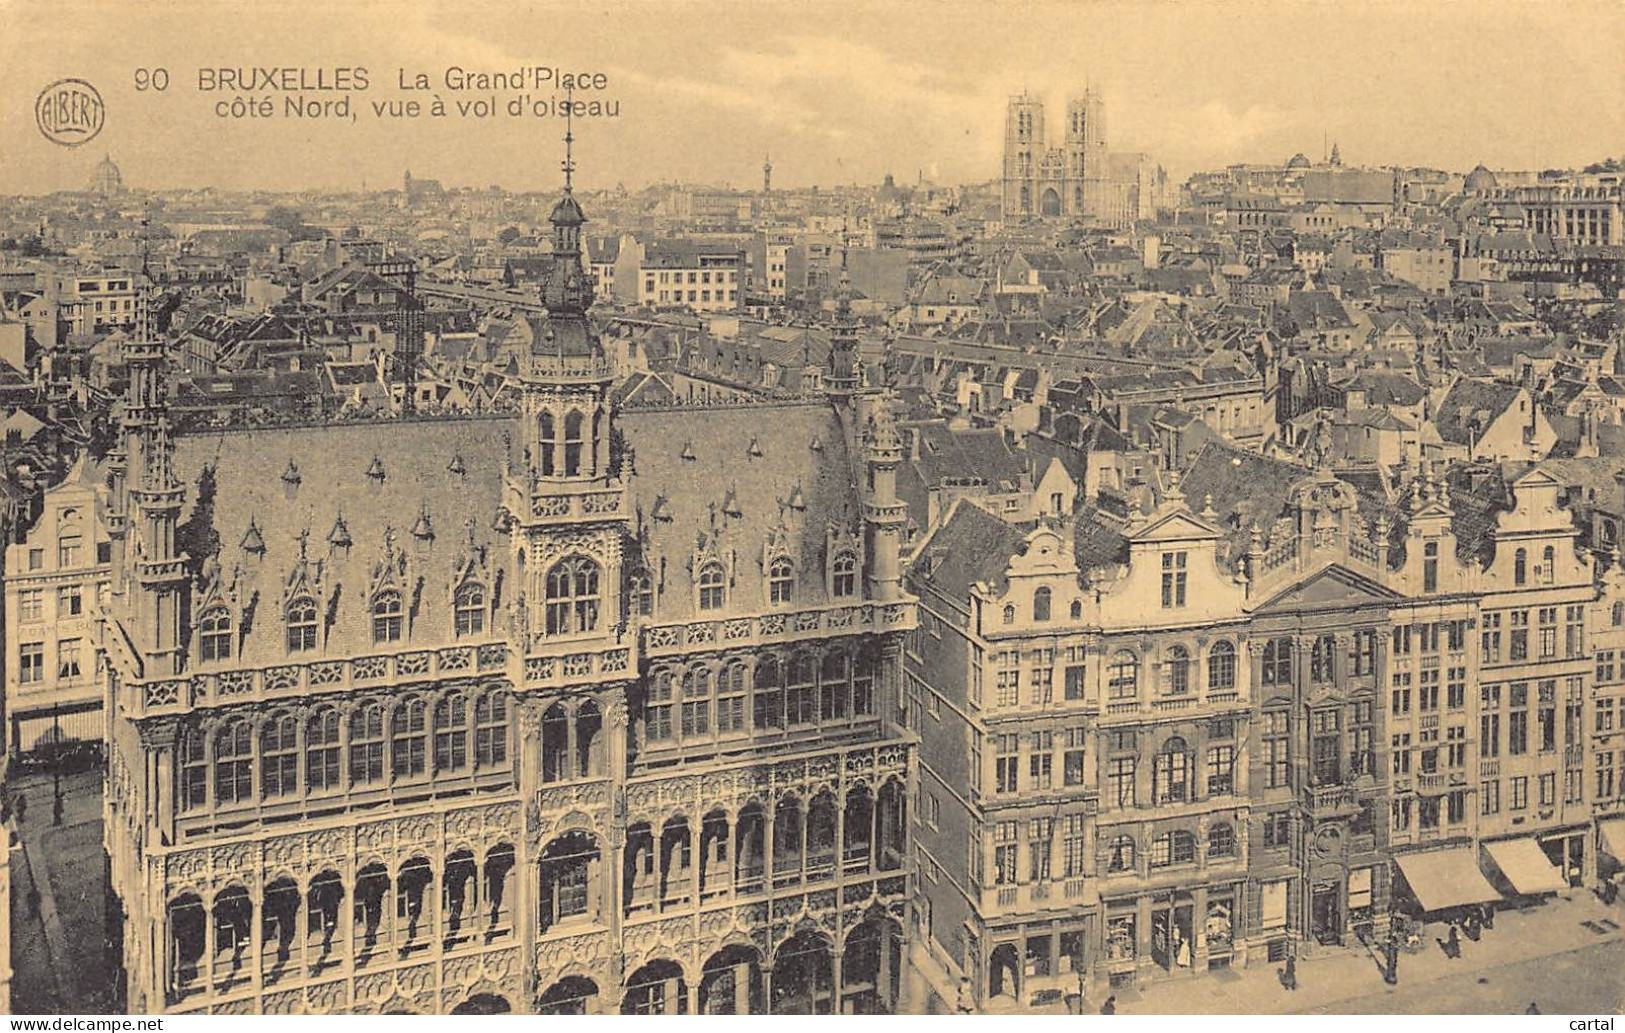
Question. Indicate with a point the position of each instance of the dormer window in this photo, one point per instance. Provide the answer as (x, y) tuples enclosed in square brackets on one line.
[(468, 608), (844, 576), (1548, 565), (302, 624), (642, 591), (1041, 604), (1520, 567), (388, 621), (1173, 580), (214, 635), (713, 586), (781, 580)]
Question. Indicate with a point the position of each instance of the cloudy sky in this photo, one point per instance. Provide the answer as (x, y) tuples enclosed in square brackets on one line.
[(835, 92)]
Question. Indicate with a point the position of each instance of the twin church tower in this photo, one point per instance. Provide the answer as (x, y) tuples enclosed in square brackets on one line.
[(1046, 182)]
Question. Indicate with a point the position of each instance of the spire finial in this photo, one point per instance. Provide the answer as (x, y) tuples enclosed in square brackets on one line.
[(569, 138)]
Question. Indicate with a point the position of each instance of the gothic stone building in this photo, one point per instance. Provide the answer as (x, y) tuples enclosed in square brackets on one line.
[(584, 711), (1050, 182)]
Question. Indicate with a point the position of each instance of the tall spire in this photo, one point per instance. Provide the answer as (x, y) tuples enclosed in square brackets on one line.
[(569, 139)]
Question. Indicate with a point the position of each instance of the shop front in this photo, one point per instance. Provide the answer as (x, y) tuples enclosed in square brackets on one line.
[(1611, 845), (1567, 852), (1442, 881), (1521, 868)]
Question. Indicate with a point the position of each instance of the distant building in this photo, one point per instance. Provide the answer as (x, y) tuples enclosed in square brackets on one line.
[(107, 180), (1042, 182)]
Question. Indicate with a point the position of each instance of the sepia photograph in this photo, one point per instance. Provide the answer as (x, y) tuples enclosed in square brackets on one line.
[(876, 508)]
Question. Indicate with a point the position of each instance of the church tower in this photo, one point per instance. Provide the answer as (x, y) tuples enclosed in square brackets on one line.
[(1023, 150)]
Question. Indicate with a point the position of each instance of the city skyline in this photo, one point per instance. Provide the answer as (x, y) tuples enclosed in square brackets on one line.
[(835, 101)]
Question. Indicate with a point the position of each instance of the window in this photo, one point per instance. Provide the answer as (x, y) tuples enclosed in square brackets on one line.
[(642, 591), (387, 618), (1040, 834), (781, 581), (696, 708), (1004, 853), (1520, 793), (491, 730), (279, 756), (1123, 676), (1009, 615), (322, 751), (1173, 848), (408, 739), (1548, 789), (36, 559), (1518, 644), (301, 624), (1120, 773), (1430, 567), (1574, 632), (1547, 716), (68, 551), (1176, 671), (1120, 855), (1006, 769), (469, 610), (1073, 848), (1074, 675), (1221, 841), (1170, 773), (1278, 662), (1221, 770), (767, 706), (1605, 665), (546, 442), (713, 592), (234, 764), (31, 662), (1275, 738), (573, 424), (30, 606), (800, 699), (1548, 632), (1520, 567), (67, 660), (1072, 762), (1489, 796), (367, 745), (1322, 654), (1040, 762), (1041, 603), (194, 761), (844, 576), (657, 723), (70, 601), (1221, 667), (1491, 639), (1277, 830), (451, 733), (572, 596), (1548, 565), (214, 634), (1173, 580), (731, 700)]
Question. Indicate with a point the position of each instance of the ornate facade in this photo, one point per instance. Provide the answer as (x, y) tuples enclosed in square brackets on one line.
[(1045, 182), (581, 711)]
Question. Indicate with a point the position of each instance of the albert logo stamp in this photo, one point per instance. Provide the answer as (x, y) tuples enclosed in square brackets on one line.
[(70, 112)]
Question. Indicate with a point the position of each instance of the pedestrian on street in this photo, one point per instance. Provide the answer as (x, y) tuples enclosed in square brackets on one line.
[(1533, 1009), (1289, 978), (56, 811), (1110, 1007), (1452, 945)]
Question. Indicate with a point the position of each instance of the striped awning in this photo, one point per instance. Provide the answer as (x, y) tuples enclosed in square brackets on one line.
[(41, 728)]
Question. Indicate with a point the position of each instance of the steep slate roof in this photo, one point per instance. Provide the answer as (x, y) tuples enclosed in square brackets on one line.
[(1469, 407), (970, 546)]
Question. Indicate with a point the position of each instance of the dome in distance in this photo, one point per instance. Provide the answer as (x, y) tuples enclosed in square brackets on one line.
[(1298, 161), (1481, 179)]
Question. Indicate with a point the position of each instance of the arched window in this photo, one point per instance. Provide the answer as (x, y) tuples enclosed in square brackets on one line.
[(387, 619), (1171, 773), (1618, 614), (781, 581), (1123, 676), (1520, 567), (546, 442), (731, 700), (1041, 599), (657, 711), (713, 588), (573, 422), (279, 756), (768, 705), (322, 750), (468, 607), (367, 745), (1176, 670), (451, 733), (1221, 667), (572, 596), (214, 634), (1009, 615), (408, 734), (301, 624), (642, 588), (844, 576), (1077, 609), (491, 730), (1120, 855), (234, 764), (1221, 841), (1548, 565)]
